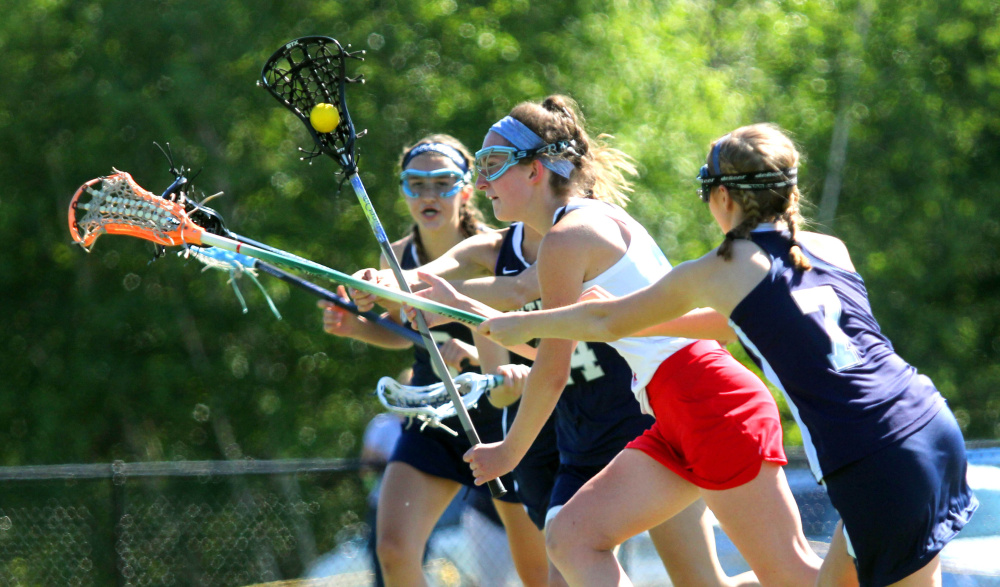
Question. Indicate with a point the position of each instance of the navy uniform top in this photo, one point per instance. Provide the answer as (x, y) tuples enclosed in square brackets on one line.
[(423, 369), (814, 336), (487, 419), (597, 415)]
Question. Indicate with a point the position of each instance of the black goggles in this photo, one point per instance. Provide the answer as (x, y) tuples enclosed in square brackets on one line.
[(760, 180)]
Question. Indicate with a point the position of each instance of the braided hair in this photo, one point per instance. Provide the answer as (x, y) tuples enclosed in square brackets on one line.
[(600, 172), (470, 216), (758, 148)]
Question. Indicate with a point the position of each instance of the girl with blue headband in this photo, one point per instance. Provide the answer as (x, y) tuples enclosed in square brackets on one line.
[(717, 432), (425, 471), (877, 433)]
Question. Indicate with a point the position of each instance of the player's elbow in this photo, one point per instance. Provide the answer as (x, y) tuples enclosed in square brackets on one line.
[(519, 293), (605, 327)]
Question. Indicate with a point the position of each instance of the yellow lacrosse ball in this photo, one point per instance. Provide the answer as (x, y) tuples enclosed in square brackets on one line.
[(324, 117)]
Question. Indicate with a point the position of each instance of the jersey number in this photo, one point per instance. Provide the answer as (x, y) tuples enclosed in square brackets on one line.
[(585, 362), (824, 300)]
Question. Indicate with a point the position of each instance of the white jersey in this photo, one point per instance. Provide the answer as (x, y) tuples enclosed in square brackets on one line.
[(643, 263)]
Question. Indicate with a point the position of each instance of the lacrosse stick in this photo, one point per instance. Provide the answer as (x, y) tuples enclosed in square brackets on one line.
[(228, 261), (310, 71), (118, 205), (432, 403)]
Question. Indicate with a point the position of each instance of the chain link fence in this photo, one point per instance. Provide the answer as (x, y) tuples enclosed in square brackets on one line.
[(236, 523)]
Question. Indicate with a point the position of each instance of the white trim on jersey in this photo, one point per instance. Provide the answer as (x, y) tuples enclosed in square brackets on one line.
[(517, 240), (807, 442)]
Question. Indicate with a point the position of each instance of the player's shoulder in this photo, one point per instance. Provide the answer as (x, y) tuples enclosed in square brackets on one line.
[(587, 222), (398, 249), (491, 237), (828, 248)]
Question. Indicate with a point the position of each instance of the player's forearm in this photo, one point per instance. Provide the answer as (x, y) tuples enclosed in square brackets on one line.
[(373, 334), (537, 404), (588, 321), (502, 293), (542, 390), (703, 323)]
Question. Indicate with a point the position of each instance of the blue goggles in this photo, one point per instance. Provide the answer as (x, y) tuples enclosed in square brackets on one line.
[(492, 162), (444, 183)]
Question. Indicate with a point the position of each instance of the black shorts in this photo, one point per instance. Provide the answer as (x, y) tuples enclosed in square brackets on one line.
[(438, 453), (536, 473), (904, 503)]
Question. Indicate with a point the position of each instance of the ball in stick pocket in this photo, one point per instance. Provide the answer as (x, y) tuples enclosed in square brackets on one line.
[(324, 117)]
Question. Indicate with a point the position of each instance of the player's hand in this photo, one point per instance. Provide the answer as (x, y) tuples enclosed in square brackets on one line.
[(508, 330), (366, 301), (514, 378), (336, 320), (440, 291), (455, 353), (437, 290), (489, 461)]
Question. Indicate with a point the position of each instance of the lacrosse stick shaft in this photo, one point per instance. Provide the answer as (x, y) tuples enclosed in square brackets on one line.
[(338, 301), (296, 262), (496, 487)]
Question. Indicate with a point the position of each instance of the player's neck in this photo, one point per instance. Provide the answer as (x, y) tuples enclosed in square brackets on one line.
[(540, 217), (439, 242)]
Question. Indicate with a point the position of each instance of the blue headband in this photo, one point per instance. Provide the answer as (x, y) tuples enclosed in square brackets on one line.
[(522, 137), (447, 150), (715, 154)]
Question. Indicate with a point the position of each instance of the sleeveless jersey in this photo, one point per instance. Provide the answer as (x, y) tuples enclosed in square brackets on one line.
[(596, 415), (814, 336), (642, 264), (423, 370)]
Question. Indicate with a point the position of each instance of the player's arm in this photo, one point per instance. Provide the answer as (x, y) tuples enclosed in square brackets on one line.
[(703, 323), (605, 320), (496, 359), (339, 322), (444, 292), (502, 292), (561, 274), (469, 259), (710, 281)]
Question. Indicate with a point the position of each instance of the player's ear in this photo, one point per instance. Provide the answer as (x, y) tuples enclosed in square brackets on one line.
[(536, 171), (725, 198)]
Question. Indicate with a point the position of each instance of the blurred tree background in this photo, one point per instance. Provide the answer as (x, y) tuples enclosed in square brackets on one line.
[(111, 356)]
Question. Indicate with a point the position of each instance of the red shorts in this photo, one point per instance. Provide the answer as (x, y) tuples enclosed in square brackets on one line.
[(716, 422)]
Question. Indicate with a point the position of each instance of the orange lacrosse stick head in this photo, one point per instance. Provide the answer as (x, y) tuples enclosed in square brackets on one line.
[(118, 205)]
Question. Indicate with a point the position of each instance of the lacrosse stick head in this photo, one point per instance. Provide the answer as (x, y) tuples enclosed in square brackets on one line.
[(431, 403), (310, 71), (116, 204)]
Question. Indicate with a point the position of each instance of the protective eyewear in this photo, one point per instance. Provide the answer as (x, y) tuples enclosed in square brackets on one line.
[(444, 183), (492, 162)]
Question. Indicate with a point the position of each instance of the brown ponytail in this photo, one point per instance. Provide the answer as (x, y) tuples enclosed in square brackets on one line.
[(600, 172), (756, 148)]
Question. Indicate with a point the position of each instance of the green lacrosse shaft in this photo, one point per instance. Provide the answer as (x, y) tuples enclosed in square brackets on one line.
[(296, 262)]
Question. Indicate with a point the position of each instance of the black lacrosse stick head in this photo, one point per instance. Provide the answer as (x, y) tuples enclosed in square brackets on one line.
[(310, 71)]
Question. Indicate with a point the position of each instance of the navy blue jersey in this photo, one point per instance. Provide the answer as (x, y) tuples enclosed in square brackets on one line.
[(814, 336), (423, 370), (487, 419), (597, 415)]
